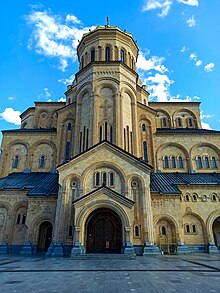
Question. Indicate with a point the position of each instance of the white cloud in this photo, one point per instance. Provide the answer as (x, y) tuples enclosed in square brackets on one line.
[(205, 116), (11, 98), (68, 80), (153, 63), (198, 63), (205, 125), (209, 67), (47, 93), (164, 5), (178, 98), (52, 37), (193, 56), (62, 100), (191, 21), (189, 2), (184, 49), (11, 116)]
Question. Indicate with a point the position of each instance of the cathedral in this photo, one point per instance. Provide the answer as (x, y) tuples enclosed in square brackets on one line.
[(107, 171)]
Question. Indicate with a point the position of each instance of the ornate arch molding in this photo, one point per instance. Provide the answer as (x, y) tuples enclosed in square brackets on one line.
[(14, 142), (91, 207), (164, 112), (184, 110), (169, 218), (202, 144), (106, 82), (90, 170), (35, 226), (128, 89), (86, 88), (209, 224), (200, 219)]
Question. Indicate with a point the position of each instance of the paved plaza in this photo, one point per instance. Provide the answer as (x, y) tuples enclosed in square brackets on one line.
[(111, 273)]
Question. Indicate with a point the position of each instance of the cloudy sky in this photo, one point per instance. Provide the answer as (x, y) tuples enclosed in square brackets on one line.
[(179, 56)]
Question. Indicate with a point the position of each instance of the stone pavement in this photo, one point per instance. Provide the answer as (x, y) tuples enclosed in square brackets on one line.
[(111, 273)]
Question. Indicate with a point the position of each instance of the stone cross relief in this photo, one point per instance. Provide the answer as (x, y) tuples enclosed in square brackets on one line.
[(105, 113)]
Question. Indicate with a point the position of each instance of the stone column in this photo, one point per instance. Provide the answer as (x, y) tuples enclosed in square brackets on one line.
[(118, 126)]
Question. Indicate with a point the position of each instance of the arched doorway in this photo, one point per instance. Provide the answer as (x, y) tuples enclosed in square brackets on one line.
[(103, 231), (45, 236), (216, 232)]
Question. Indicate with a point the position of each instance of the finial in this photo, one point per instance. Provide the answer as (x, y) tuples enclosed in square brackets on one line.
[(107, 21)]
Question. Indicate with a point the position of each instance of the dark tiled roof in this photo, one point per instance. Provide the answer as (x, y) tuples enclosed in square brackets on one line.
[(166, 183), (186, 131), (39, 183), (31, 130)]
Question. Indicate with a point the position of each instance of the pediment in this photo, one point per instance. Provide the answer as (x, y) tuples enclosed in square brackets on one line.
[(104, 193)]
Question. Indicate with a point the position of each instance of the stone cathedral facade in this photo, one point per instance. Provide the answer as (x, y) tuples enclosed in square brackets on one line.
[(109, 171)]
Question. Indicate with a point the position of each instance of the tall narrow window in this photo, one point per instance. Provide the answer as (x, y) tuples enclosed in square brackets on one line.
[(173, 162), (163, 231), (82, 62), (143, 127), (214, 165), (87, 138), (180, 161), (67, 154), (190, 123), (93, 55), (100, 133), (104, 178), (15, 162), (164, 122), (111, 178), (106, 130), (122, 56), (18, 219), (84, 137), (145, 151), (187, 229), (187, 197), (136, 231), (97, 179), (128, 139), (132, 63), (80, 142), (199, 162), (179, 122), (166, 162), (24, 219), (42, 161), (111, 134), (69, 126), (206, 160), (124, 139), (131, 141), (194, 228), (107, 54)]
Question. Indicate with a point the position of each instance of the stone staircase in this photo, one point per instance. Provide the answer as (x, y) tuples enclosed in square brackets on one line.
[(102, 256)]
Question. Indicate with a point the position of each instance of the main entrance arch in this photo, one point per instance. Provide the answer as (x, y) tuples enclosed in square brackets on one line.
[(103, 232), (45, 236)]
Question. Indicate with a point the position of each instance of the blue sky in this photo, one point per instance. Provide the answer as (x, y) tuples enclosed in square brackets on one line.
[(179, 56)]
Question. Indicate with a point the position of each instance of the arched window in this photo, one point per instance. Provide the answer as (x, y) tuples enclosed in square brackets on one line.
[(190, 123), (206, 160), (199, 162), (42, 161), (145, 151), (18, 219), (214, 197), (214, 165), (163, 231), (180, 161), (194, 197), (179, 122), (111, 134), (97, 179), (187, 197), (67, 151), (69, 126), (111, 179), (136, 231), (166, 162), (15, 162), (93, 55), (194, 228), (143, 127), (122, 56), (107, 54), (173, 162), (24, 219), (104, 178), (187, 229), (132, 63), (145, 103), (164, 122)]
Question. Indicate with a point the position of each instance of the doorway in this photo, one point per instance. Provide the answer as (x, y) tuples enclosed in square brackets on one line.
[(45, 236), (104, 230), (216, 232)]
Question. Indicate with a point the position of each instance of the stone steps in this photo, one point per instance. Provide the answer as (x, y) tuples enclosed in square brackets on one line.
[(102, 256)]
